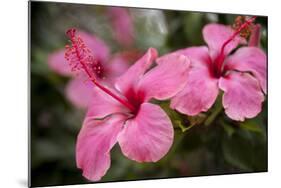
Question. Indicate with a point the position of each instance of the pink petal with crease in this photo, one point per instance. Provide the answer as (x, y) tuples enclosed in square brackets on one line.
[(242, 96), (58, 63), (166, 79), (216, 34), (199, 93), (94, 143), (103, 105), (250, 59), (148, 136), (131, 77)]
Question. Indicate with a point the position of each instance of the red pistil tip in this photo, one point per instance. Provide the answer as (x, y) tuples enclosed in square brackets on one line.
[(238, 31), (78, 55), (71, 33), (246, 30)]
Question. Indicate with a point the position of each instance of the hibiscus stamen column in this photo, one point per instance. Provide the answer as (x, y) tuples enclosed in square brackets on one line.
[(80, 57), (221, 56)]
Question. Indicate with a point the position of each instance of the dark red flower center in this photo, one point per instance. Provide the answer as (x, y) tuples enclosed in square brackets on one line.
[(98, 69), (135, 99)]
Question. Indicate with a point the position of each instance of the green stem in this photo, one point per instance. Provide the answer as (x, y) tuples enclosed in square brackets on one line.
[(217, 110)]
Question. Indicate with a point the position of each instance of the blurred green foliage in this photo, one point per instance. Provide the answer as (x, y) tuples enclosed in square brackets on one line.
[(207, 144)]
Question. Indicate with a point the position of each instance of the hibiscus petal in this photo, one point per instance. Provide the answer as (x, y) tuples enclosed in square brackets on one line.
[(58, 63), (103, 105), (128, 80), (250, 59), (197, 55), (116, 66), (94, 143), (242, 96), (166, 79), (80, 92), (147, 137), (216, 34), (122, 25), (199, 94), (97, 46)]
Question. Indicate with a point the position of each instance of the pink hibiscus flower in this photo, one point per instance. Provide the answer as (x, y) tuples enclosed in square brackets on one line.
[(123, 114), (241, 75), (122, 25), (79, 90)]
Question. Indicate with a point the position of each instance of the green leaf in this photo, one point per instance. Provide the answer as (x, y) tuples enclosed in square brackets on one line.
[(229, 129), (181, 126), (196, 120), (193, 23), (246, 151), (252, 126), (215, 111)]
